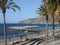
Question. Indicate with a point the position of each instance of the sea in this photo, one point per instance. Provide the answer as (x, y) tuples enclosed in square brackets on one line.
[(15, 33)]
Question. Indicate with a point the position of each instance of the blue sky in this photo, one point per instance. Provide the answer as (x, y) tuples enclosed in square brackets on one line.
[(28, 10)]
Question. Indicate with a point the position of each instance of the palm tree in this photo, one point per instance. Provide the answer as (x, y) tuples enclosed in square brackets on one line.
[(43, 11), (4, 5), (52, 5), (53, 9)]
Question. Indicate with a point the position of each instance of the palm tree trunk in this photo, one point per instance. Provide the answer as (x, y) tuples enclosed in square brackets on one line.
[(59, 20), (5, 36), (59, 25), (46, 28), (53, 24)]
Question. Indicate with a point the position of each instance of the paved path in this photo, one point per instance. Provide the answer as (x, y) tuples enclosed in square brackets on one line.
[(57, 42)]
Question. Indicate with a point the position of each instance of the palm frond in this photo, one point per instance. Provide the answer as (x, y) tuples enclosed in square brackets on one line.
[(11, 3), (13, 9), (53, 8), (42, 10), (42, 7), (16, 6), (8, 4), (10, 0), (1, 2), (5, 2)]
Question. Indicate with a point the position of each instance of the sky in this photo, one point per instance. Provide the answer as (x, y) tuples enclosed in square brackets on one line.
[(28, 10)]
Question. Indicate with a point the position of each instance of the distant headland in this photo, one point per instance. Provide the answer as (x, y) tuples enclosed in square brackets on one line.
[(37, 20)]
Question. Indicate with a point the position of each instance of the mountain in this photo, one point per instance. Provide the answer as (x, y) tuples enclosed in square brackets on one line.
[(37, 20)]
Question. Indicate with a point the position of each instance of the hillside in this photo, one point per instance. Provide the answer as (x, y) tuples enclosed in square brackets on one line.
[(40, 20)]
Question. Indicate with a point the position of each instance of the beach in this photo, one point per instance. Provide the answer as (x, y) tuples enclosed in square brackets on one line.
[(18, 39), (32, 39), (29, 37)]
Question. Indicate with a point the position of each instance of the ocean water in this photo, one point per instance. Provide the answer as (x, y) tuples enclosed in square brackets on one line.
[(20, 33)]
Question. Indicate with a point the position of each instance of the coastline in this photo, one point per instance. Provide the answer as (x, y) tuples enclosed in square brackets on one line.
[(33, 36), (19, 39)]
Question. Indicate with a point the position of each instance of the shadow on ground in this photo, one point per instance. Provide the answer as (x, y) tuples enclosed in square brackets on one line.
[(33, 41)]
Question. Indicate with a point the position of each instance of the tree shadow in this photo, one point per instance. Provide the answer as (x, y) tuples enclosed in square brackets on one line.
[(40, 41), (30, 40), (34, 40)]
